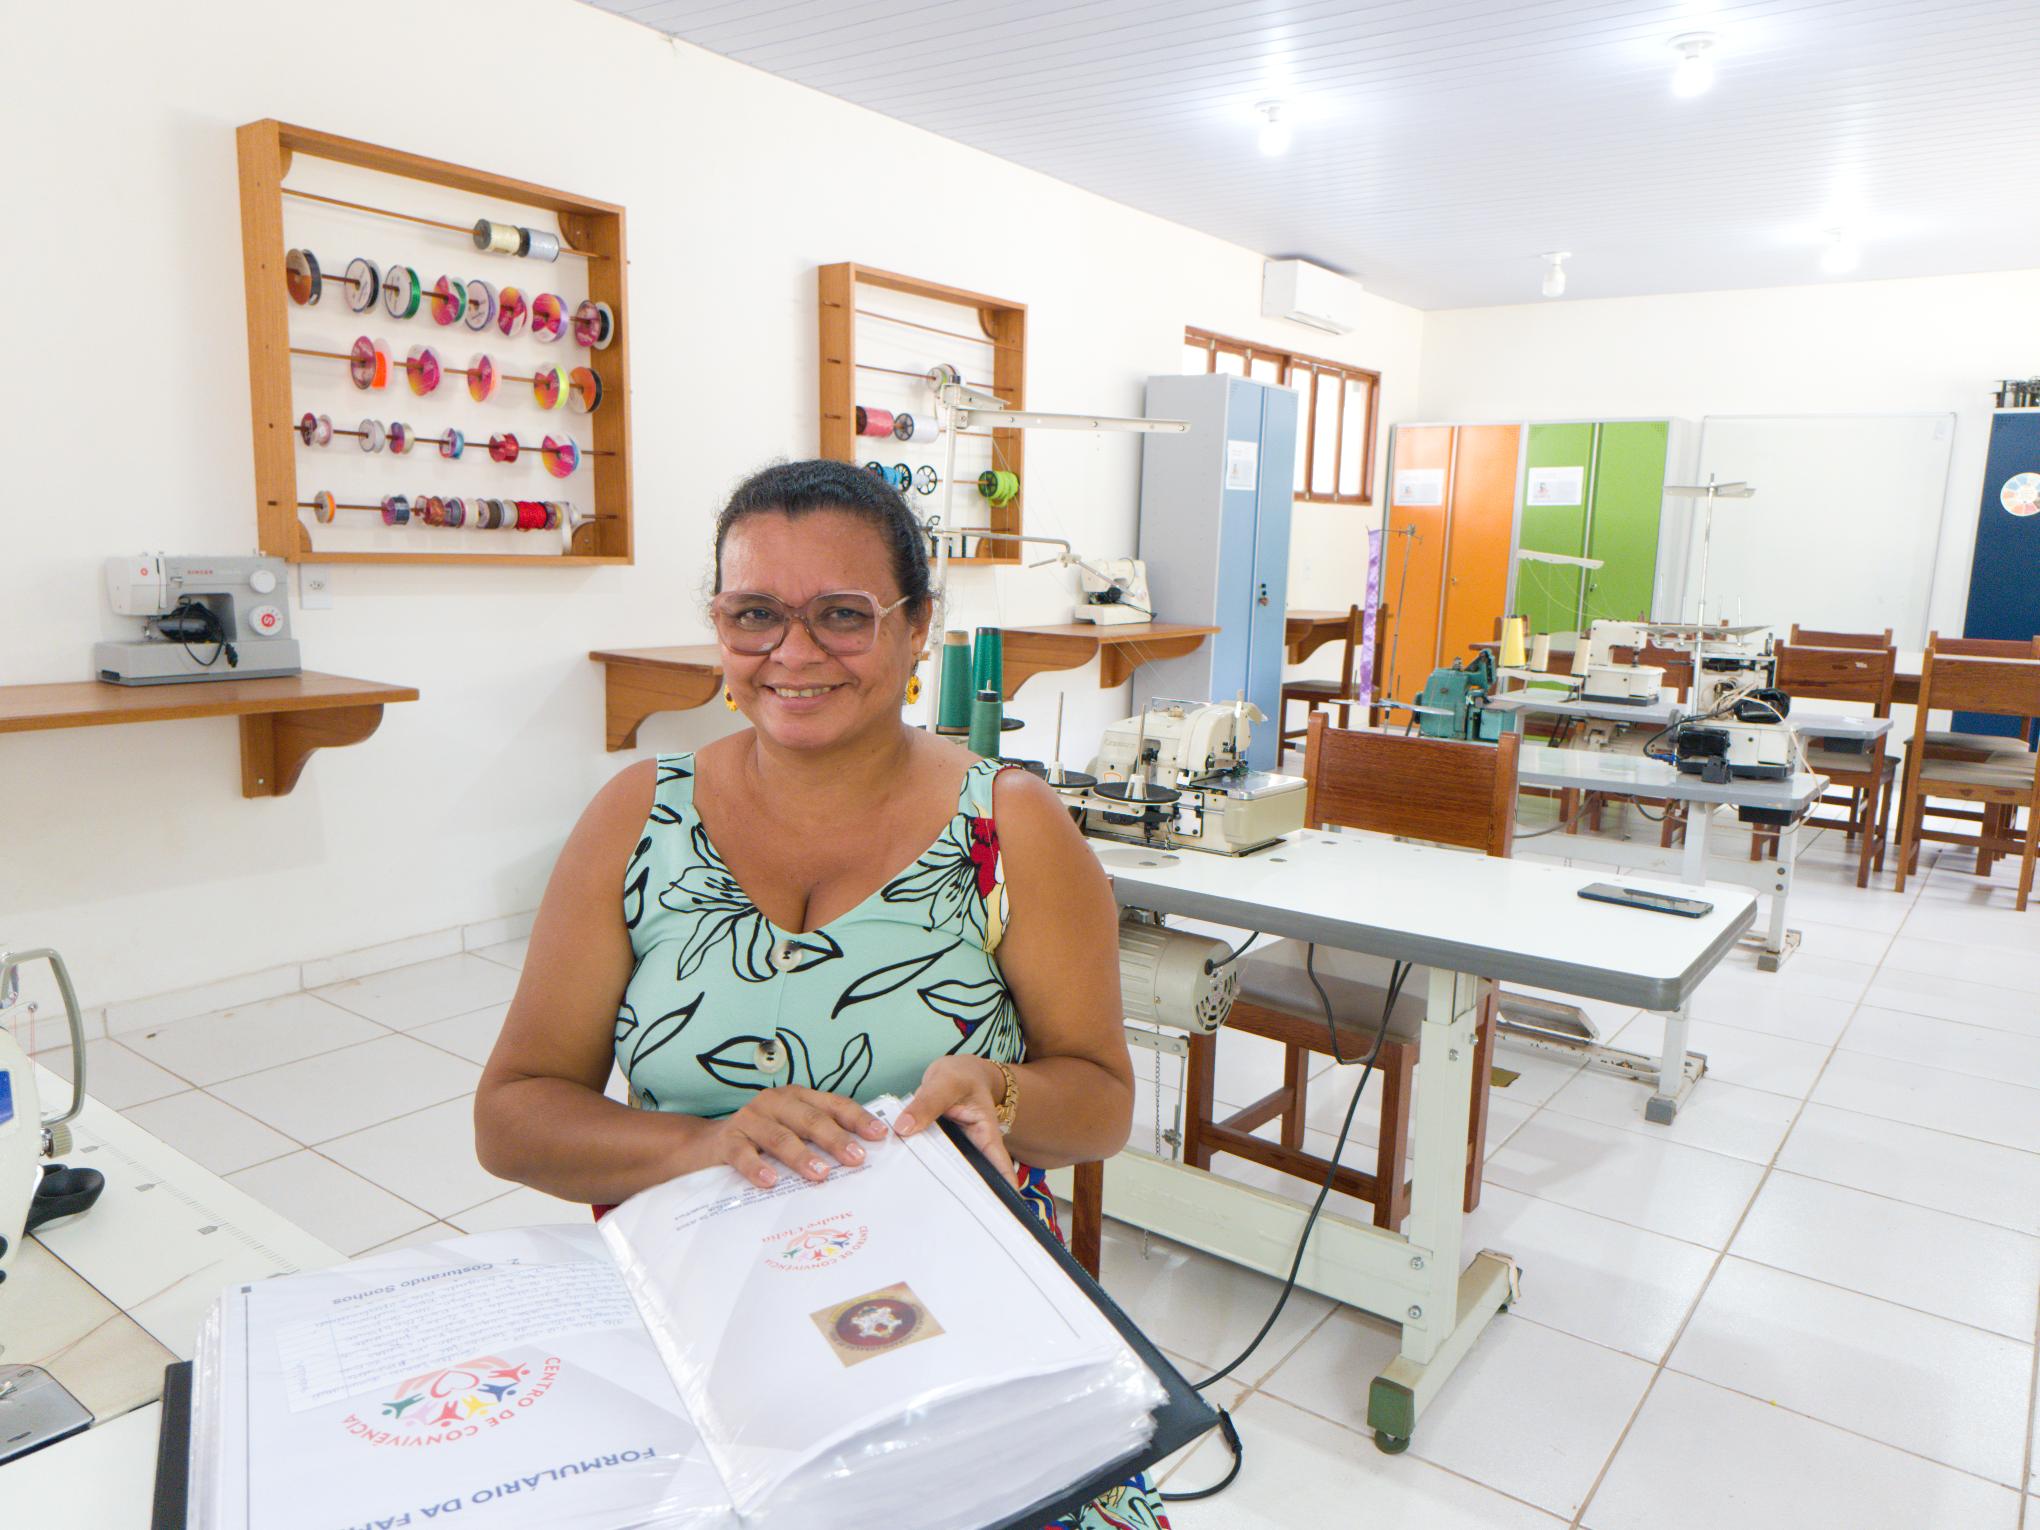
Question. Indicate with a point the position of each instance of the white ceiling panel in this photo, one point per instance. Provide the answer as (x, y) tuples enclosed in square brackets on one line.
[(1442, 146)]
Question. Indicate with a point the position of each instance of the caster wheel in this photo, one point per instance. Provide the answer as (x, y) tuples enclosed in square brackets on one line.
[(1391, 1444)]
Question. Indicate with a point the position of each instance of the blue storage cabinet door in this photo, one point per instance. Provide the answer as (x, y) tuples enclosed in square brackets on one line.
[(2004, 577)]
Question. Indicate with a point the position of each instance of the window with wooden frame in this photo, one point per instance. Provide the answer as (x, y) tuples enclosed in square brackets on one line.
[(1335, 410)]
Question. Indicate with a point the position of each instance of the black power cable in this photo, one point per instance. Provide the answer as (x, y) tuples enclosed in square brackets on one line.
[(1398, 974)]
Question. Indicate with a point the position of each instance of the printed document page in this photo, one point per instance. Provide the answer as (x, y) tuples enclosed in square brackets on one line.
[(819, 1327), (498, 1381)]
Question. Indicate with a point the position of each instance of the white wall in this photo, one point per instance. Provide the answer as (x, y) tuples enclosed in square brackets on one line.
[(131, 848), (1928, 344)]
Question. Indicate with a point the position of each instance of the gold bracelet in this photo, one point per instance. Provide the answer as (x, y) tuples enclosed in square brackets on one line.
[(1009, 1105)]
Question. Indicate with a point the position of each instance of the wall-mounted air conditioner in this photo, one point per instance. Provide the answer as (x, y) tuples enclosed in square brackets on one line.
[(1306, 294)]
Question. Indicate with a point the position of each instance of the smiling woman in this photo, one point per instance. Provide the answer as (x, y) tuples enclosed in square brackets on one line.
[(826, 907)]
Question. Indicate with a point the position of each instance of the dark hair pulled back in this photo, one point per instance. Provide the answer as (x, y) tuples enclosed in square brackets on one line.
[(795, 489)]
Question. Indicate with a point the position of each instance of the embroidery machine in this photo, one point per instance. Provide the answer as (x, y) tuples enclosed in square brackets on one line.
[(1175, 776), (202, 619), (1606, 680)]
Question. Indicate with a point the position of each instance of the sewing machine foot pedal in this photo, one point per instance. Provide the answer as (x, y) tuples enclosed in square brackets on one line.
[(64, 1192)]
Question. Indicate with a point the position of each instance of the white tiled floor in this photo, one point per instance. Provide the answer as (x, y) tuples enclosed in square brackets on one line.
[(1810, 1303)]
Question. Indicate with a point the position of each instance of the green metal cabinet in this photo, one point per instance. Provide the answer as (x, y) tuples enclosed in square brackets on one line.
[(1619, 468)]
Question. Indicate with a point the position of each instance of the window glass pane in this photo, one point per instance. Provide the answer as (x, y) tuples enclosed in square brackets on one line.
[(1232, 363), (1353, 459), (1196, 357), (1265, 368), (1299, 379), (1325, 436)]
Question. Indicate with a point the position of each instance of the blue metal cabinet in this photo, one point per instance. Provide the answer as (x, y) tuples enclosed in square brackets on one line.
[(1214, 533), (2004, 576)]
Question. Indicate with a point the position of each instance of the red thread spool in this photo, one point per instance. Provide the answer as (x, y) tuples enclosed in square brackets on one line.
[(874, 422)]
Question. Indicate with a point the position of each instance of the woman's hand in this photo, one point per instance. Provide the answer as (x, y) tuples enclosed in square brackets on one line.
[(781, 1123), (966, 1090)]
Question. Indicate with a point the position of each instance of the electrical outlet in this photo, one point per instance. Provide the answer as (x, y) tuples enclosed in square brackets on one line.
[(315, 588)]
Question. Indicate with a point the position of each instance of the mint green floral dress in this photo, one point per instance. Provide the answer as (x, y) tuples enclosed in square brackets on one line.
[(722, 1003)]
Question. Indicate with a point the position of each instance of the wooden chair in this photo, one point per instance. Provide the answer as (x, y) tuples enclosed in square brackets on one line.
[(1443, 791), (1855, 673), (1318, 693), (1808, 638), (1982, 745), (2001, 681)]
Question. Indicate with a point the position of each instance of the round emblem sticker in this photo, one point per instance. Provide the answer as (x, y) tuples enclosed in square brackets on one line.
[(880, 1323), (2021, 494)]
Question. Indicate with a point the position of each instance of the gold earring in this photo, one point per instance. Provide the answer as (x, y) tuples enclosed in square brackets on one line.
[(728, 700), (914, 687)]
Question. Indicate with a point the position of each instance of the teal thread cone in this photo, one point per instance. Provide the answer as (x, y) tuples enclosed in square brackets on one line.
[(988, 662), (986, 717), (956, 688)]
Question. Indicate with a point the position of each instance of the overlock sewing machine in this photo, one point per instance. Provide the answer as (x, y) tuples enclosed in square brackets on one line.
[(202, 619), (1453, 702), (1175, 777), (1738, 726)]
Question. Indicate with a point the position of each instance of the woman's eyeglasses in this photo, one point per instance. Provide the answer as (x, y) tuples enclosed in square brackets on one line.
[(842, 623)]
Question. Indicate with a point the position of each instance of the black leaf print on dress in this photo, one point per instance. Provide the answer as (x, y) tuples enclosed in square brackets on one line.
[(982, 1013), (720, 910), (735, 1062), (665, 815), (637, 876), (646, 1039), (815, 947), (946, 879), (880, 981), (671, 770), (852, 1068)]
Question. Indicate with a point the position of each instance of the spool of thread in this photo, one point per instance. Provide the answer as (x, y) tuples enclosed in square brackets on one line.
[(999, 486), (988, 662), (1540, 651), (955, 708), (986, 721), (1513, 654), (874, 422)]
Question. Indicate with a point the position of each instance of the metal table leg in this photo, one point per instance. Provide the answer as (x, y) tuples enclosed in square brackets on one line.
[(1780, 942)]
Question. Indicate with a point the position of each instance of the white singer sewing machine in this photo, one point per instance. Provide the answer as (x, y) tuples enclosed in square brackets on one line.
[(1606, 680), (202, 619), (1175, 776), (1115, 592)]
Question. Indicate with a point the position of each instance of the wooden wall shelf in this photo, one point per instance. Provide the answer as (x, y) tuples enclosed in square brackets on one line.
[(266, 149), (282, 720), (638, 682), (1003, 326), (1030, 651)]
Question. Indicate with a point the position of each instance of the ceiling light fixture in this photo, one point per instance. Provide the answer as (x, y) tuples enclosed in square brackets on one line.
[(1554, 272), (1275, 133), (1696, 68), (1840, 255)]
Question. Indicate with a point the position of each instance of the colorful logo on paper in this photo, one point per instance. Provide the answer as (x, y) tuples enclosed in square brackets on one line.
[(817, 1246), (451, 1396)]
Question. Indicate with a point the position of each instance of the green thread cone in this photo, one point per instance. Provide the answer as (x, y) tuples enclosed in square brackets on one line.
[(986, 718), (988, 662), (955, 710)]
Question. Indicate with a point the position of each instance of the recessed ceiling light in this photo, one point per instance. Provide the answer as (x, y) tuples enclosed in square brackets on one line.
[(1274, 127), (1554, 272), (1696, 65), (1839, 256)]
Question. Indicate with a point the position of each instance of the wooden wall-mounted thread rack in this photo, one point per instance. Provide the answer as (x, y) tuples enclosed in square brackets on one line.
[(993, 359), (589, 230)]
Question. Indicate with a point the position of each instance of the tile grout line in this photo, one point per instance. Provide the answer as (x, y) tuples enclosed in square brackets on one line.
[(1699, 1296)]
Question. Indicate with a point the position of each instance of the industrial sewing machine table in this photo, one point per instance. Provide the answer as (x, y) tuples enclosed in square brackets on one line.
[(1466, 918)]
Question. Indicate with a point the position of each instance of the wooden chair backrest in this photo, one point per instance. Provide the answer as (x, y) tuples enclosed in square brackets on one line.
[(1435, 789), (2004, 681), (1838, 674), (1813, 639)]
